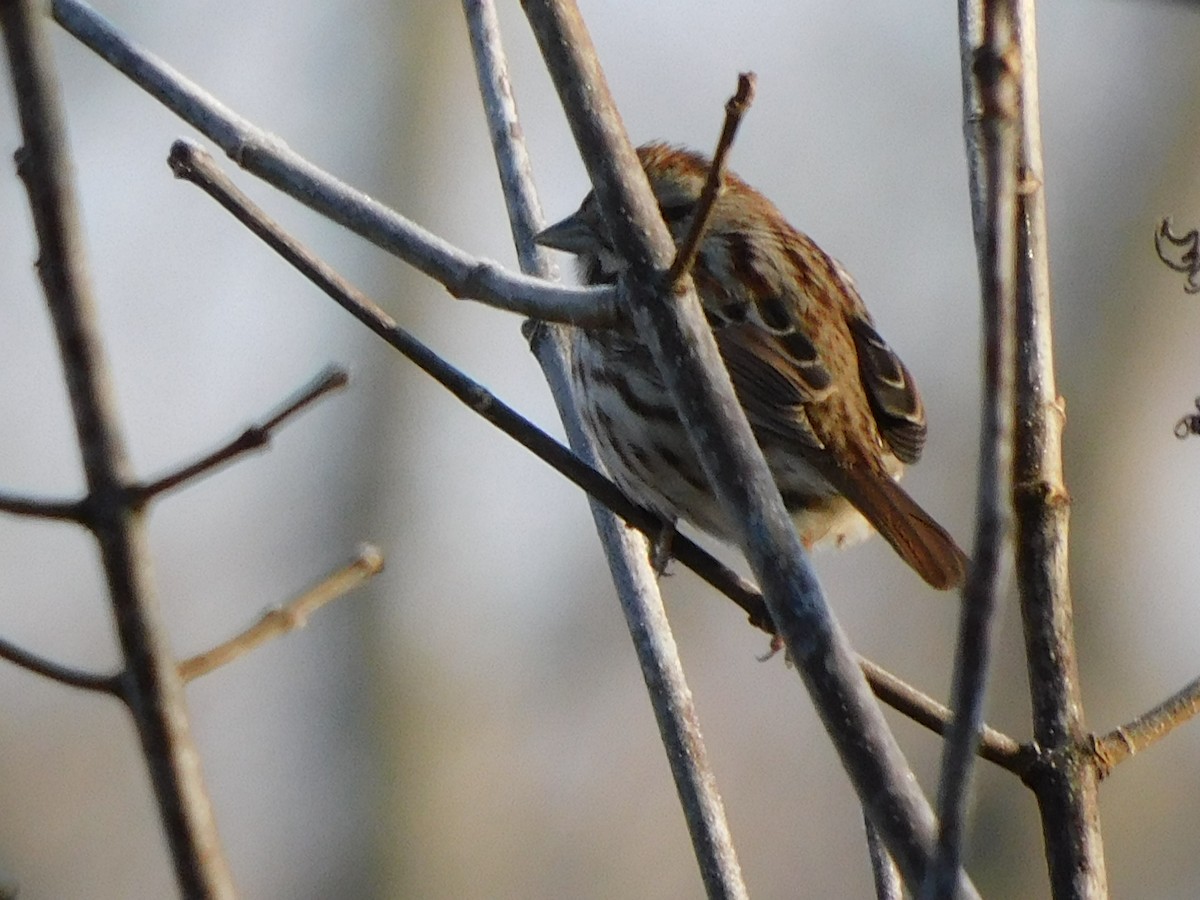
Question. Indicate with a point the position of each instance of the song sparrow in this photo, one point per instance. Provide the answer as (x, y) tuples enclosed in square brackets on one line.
[(834, 409)]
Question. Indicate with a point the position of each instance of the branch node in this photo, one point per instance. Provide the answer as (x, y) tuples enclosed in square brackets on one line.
[(1045, 494), (998, 72), (474, 282)]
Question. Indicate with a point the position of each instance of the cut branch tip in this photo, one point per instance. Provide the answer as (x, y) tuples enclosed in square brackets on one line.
[(281, 620)]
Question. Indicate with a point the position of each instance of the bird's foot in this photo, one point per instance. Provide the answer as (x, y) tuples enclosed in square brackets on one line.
[(660, 547)]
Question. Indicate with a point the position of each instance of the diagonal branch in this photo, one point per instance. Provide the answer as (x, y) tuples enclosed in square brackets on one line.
[(993, 746), (256, 437), (76, 678), (735, 109), (1121, 743), (285, 619), (990, 72), (888, 885), (267, 157)]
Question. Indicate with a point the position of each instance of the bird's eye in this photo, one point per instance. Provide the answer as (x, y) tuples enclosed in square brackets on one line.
[(676, 212)]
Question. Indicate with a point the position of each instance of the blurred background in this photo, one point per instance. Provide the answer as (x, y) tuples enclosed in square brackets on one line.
[(473, 725)]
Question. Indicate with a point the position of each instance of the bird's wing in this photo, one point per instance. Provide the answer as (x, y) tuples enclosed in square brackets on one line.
[(891, 392), (776, 377)]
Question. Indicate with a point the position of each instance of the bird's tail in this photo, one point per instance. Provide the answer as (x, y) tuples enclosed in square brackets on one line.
[(912, 532)]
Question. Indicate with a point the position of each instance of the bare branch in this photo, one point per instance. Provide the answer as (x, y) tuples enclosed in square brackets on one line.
[(888, 885), (735, 109), (39, 508), (513, 165), (991, 71), (256, 437), (1066, 788), (993, 746), (151, 686), (685, 352), (1149, 728), (76, 678), (636, 584), (287, 618), (1068, 794), (633, 576), (267, 157)]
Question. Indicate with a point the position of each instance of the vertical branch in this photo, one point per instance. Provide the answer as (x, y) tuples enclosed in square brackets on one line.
[(525, 216), (991, 73), (1066, 787), (150, 684), (884, 873), (626, 552), (685, 352), (1066, 790)]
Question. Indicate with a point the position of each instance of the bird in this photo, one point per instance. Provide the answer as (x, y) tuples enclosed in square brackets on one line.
[(834, 410)]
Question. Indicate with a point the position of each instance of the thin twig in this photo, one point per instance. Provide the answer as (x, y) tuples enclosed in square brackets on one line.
[(513, 165), (888, 885), (269, 158), (735, 110), (284, 619), (685, 352), (633, 576), (39, 508), (151, 687), (256, 437), (1149, 728), (76, 678), (994, 77), (994, 746)]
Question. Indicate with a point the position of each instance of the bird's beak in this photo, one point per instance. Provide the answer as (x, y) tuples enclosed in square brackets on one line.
[(572, 235)]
